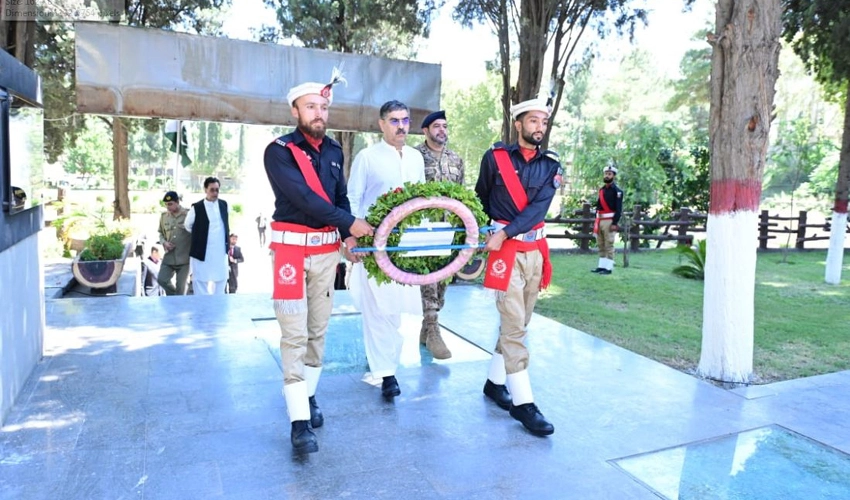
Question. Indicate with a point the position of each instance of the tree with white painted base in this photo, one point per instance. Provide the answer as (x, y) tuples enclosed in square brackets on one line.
[(818, 30), (743, 75)]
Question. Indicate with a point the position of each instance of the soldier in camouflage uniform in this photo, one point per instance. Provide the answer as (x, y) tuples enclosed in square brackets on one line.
[(441, 164)]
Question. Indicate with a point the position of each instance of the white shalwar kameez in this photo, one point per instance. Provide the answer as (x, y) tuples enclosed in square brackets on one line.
[(209, 276), (376, 170)]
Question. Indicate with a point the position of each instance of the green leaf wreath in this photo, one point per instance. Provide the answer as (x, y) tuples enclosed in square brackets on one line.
[(391, 199)]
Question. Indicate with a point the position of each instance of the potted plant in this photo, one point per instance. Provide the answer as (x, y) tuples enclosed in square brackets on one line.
[(101, 262)]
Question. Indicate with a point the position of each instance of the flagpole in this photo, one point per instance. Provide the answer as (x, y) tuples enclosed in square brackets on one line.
[(177, 163)]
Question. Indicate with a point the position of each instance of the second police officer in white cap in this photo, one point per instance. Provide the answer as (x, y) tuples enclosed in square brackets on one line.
[(516, 185)]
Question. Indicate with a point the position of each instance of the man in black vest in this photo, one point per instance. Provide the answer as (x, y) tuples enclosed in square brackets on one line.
[(208, 222)]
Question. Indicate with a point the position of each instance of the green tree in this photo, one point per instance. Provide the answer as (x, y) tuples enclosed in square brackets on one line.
[(90, 157), (473, 115), (691, 91), (818, 31), (55, 62), (530, 30), (799, 149)]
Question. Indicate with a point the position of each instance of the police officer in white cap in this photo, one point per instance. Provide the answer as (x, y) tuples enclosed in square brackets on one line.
[(609, 208), (311, 214), (516, 185)]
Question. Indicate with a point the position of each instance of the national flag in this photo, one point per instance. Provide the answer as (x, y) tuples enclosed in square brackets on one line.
[(171, 135)]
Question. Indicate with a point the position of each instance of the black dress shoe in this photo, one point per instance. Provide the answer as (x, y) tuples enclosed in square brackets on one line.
[(390, 388), (598, 269), (302, 437), (316, 417), (498, 393), (532, 419), (604, 271)]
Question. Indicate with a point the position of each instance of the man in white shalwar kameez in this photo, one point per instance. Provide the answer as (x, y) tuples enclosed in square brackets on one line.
[(377, 169), (208, 221)]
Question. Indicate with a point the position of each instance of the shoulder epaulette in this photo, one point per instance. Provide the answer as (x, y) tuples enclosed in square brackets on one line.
[(280, 141), (551, 154), (499, 145), (334, 142)]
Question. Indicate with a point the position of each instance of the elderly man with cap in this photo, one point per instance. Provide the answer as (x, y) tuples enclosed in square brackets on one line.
[(381, 167), (177, 242), (441, 164), (609, 208), (516, 185), (311, 213)]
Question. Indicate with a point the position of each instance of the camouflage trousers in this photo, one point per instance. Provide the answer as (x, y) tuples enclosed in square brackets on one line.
[(433, 296)]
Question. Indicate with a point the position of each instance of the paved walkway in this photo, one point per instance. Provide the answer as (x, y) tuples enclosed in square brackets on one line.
[(179, 397)]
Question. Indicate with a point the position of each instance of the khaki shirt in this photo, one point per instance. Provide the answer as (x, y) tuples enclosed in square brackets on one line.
[(173, 228), (445, 166)]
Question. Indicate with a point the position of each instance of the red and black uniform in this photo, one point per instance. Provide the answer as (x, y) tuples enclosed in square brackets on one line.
[(612, 196), (521, 268)]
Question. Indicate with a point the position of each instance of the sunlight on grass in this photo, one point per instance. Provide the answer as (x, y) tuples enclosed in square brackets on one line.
[(801, 323)]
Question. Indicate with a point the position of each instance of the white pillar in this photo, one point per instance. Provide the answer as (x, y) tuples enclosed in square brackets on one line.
[(835, 254), (729, 297)]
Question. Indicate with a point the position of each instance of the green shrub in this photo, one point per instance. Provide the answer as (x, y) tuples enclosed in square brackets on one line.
[(104, 246), (694, 269)]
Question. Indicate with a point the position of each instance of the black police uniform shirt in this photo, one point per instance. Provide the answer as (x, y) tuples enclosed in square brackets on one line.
[(295, 202), (614, 198), (540, 177)]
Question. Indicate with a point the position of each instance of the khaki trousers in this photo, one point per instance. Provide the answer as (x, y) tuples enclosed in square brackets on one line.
[(515, 308), (167, 271), (605, 239), (303, 324)]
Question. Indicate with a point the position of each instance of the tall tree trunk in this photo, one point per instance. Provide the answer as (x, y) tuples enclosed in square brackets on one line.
[(120, 169), (346, 140), (534, 28), (835, 255), (505, 65), (743, 77)]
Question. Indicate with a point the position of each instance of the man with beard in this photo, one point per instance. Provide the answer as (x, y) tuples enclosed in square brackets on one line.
[(609, 208), (381, 167), (441, 164), (516, 185), (311, 212)]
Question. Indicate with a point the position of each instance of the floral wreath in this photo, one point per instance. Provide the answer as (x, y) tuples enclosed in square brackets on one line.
[(438, 198)]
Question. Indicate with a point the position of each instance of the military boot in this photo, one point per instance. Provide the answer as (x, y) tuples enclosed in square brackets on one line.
[(302, 437), (432, 338)]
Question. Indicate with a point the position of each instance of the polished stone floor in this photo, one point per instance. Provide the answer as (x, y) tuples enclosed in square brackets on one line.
[(179, 397)]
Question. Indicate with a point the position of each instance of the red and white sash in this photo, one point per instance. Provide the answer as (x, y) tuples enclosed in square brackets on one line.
[(604, 213), (292, 242)]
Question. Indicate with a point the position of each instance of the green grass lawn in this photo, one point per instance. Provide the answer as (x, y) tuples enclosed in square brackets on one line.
[(802, 325)]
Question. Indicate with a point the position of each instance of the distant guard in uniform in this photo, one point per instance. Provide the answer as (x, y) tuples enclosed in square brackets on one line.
[(441, 164), (516, 185), (311, 212), (609, 208)]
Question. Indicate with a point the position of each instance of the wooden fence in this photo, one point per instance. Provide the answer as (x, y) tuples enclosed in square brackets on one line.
[(682, 228)]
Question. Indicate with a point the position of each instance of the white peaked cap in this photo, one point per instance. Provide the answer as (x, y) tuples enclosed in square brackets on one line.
[(610, 168), (530, 105), (322, 89)]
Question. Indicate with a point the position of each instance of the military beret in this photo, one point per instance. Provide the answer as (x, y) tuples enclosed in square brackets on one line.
[(171, 196), (436, 115)]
